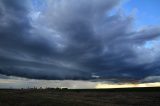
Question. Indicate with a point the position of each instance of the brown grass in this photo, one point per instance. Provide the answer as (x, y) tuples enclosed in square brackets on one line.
[(78, 98)]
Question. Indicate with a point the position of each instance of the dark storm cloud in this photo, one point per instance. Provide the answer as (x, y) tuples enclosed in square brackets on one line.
[(73, 39)]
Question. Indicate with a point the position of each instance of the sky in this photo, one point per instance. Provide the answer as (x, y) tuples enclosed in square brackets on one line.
[(79, 44), (146, 11)]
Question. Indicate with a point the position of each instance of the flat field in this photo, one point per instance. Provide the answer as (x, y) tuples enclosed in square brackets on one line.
[(80, 97)]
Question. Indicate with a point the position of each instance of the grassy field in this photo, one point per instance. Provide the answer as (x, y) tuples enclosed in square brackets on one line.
[(83, 97)]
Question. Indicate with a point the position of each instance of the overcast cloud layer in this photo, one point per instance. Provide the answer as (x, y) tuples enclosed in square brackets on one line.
[(75, 39)]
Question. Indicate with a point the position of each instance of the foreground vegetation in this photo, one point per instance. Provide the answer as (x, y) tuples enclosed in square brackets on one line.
[(80, 97)]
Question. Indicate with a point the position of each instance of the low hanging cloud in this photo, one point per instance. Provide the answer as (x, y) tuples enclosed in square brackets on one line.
[(77, 40)]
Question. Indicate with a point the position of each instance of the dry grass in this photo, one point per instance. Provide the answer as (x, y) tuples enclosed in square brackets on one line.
[(78, 98)]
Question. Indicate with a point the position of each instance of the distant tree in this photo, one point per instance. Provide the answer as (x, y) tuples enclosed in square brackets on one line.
[(64, 88)]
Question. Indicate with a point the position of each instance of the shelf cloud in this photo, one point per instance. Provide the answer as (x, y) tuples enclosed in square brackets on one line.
[(75, 40)]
